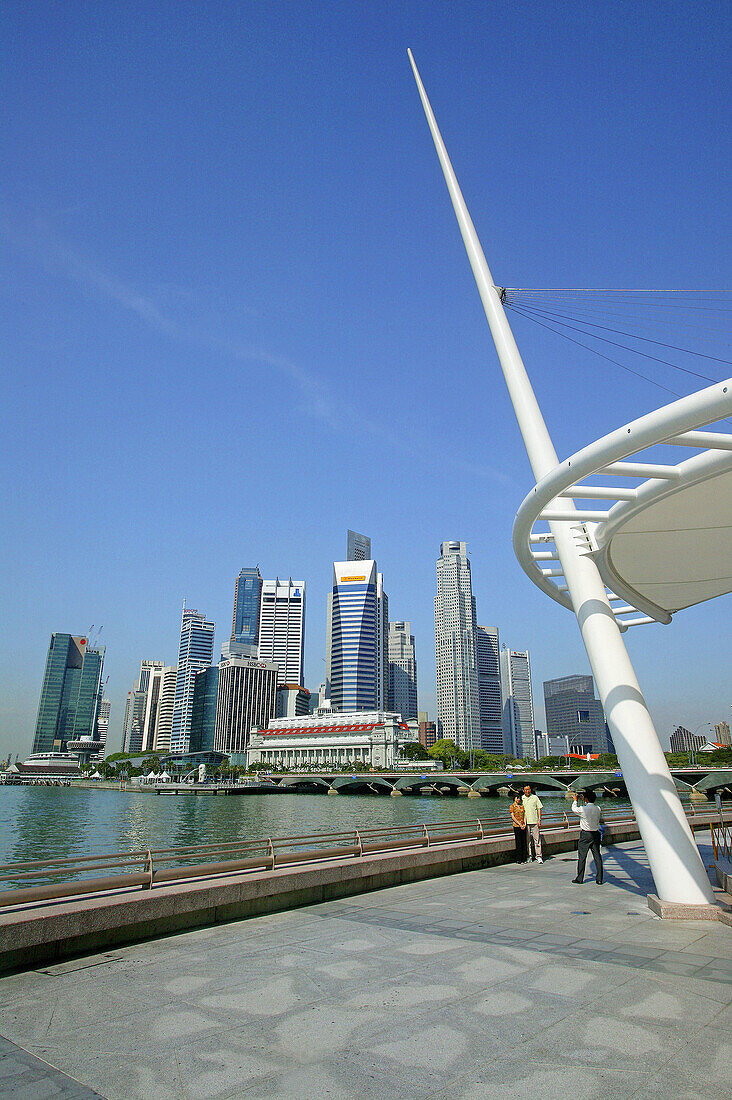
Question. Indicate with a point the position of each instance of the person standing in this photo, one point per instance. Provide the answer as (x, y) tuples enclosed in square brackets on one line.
[(518, 816), (532, 811), (590, 817)]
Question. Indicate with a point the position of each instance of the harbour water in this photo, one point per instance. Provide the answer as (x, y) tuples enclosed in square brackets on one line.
[(54, 822)]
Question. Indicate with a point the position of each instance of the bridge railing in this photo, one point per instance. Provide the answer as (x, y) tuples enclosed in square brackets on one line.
[(37, 881), (721, 840)]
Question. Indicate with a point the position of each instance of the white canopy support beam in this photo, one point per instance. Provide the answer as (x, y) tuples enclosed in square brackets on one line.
[(674, 859)]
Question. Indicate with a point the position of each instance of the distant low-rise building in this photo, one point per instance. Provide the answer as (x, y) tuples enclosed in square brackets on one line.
[(683, 740)]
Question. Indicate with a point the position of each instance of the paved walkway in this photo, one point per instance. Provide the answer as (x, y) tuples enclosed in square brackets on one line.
[(461, 987)]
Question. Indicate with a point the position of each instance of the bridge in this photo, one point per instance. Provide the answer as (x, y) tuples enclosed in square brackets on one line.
[(701, 783)]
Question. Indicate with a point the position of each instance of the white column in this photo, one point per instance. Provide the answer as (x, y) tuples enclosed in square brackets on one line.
[(673, 856)]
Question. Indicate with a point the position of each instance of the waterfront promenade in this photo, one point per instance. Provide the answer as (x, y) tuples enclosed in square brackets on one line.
[(459, 987)]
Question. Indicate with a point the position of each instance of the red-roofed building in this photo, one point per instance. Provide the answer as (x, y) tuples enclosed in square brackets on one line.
[(332, 740)]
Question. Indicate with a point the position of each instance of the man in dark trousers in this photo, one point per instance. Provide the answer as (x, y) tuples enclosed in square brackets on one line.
[(590, 817)]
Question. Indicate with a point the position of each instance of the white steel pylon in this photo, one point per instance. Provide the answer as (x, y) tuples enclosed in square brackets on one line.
[(674, 858)]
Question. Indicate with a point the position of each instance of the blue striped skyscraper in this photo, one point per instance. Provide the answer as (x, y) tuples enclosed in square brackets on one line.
[(353, 659), (194, 654)]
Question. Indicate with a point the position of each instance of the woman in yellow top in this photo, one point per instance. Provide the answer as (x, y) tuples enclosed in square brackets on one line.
[(518, 816)]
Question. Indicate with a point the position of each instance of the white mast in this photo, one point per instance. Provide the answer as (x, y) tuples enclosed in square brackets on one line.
[(674, 858)]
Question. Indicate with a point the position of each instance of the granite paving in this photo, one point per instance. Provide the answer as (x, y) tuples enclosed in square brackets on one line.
[(461, 987)]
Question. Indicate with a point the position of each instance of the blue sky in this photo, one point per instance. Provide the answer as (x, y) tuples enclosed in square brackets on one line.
[(237, 317)]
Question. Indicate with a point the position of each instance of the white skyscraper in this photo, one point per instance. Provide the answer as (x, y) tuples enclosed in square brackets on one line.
[(194, 654), (518, 704), (402, 671), (164, 723), (489, 690), (382, 645), (351, 668), (458, 706), (282, 628)]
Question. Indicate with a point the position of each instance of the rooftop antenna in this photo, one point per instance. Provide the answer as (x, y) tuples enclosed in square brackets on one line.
[(673, 856)]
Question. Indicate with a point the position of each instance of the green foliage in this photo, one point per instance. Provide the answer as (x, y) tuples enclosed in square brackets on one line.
[(413, 750)]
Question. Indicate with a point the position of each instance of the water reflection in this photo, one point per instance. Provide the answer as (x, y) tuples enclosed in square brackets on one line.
[(52, 822)]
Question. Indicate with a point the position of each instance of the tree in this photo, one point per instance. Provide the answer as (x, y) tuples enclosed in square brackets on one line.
[(447, 751), (413, 750)]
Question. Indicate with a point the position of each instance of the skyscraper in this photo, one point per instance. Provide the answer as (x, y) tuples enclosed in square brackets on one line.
[(382, 645), (194, 654), (402, 671), (137, 738), (164, 723), (518, 704), (489, 690), (152, 703), (103, 713), (70, 694), (458, 705), (574, 714), (247, 602), (359, 547), (203, 712), (352, 676), (246, 698), (282, 628)]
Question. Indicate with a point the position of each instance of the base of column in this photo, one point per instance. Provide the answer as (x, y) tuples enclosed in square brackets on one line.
[(675, 910)]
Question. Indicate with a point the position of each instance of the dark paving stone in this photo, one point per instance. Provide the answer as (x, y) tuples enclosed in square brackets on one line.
[(25, 1077)]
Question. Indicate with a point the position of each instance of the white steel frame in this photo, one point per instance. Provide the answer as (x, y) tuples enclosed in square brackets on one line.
[(674, 859), (594, 528)]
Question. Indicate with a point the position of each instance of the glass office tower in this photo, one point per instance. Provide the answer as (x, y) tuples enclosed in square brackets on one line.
[(247, 602), (70, 694)]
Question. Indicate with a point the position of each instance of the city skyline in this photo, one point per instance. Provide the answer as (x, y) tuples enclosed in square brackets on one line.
[(139, 301)]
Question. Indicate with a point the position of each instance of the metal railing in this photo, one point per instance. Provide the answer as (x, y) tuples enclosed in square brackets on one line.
[(721, 840), (51, 880)]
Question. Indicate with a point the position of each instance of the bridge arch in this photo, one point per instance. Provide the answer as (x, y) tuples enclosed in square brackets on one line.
[(362, 784), (415, 783), (492, 783), (716, 781), (313, 783)]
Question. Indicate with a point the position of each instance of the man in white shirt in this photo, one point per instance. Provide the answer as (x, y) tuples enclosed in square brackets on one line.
[(590, 817), (532, 810)]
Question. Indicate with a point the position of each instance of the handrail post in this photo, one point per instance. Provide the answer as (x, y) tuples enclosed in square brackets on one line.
[(271, 851), (480, 830), (149, 868), (427, 835), (359, 842)]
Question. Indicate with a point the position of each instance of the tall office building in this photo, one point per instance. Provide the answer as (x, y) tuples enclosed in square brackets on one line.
[(458, 704), (152, 705), (574, 714), (489, 690), (722, 734), (194, 654), (72, 687), (359, 547), (246, 699), (247, 602), (518, 704), (203, 712), (164, 722), (351, 672), (402, 671), (282, 628), (382, 645), (103, 713), (127, 721), (146, 688)]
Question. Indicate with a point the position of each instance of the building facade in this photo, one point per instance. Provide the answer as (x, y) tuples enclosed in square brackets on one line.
[(358, 548), (402, 671), (490, 699), (247, 602), (70, 693), (103, 714), (458, 704), (371, 738), (427, 730), (352, 677), (282, 628), (382, 645), (518, 704), (203, 713), (683, 740), (293, 701), (164, 723), (247, 695), (195, 653), (574, 714), (722, 734)]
